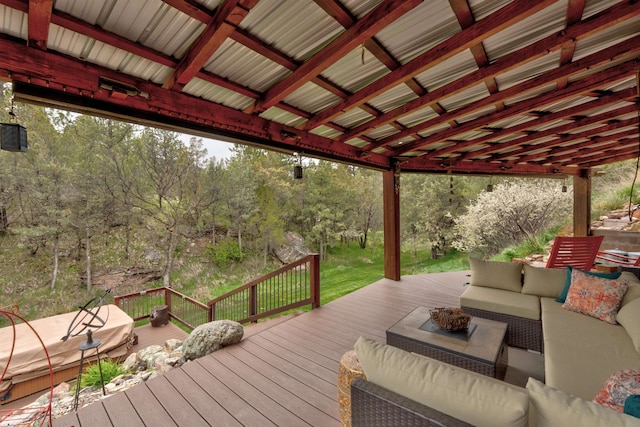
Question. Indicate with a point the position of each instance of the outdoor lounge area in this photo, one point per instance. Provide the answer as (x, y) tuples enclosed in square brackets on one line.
[(286, 374)]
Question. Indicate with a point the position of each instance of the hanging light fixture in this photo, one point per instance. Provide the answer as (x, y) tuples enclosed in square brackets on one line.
[(490, 185), (564, 185), (13, 136), (297, 169)]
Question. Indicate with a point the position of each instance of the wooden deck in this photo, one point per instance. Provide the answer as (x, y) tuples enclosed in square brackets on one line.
[(284, 375)]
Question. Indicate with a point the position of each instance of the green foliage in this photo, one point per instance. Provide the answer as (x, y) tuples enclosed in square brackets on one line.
[(110, 370), (539, 245), (224, 252)]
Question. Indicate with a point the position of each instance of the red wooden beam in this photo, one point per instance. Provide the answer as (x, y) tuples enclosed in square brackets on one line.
[(536, 50), (532, 135), (227, 16), (384, 14), (39, 22), (580, 87), (459, 42)]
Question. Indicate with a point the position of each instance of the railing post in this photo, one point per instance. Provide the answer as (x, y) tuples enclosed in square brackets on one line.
[(315, 281), (167, 300), (253, 303), (211, 313)]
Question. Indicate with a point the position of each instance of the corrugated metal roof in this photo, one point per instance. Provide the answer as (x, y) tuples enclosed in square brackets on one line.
[(287, 33)]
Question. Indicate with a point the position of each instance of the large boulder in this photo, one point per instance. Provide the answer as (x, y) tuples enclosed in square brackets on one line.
[(212, 336), (292, 248)]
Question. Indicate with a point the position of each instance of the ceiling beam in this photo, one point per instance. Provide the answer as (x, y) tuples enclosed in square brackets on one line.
[(562, 140), (599, 103), (531, 135), (455, 44), (224, 22), (534, 103), (383, 14), (39, 22), (534, 51)]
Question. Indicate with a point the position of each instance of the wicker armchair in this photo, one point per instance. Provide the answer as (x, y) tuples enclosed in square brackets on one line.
[(372, 405)]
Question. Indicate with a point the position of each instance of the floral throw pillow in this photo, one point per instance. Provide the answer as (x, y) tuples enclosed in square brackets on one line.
[(595, 296), (618, 387)]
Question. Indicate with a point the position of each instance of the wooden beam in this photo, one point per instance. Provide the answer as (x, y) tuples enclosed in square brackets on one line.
[(528, 53), (384, 14), (582, 203), (192, 9), (39, 22), (455, 44), (227, 16), (391, 207), (531, 135), (583, 86)]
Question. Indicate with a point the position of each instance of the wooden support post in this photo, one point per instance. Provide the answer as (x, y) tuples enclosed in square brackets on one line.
[(582, 203), (391, 202), (315, 280)]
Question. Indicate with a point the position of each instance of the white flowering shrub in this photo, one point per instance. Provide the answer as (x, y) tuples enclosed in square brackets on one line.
[(515, 211)]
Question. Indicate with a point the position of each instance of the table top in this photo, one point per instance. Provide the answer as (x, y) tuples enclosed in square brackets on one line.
[(484, 342)]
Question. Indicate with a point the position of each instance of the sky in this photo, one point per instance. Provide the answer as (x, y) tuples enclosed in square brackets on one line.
[(215, 148)]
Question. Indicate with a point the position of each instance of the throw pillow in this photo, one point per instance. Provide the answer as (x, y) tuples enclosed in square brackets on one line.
[(617, 388), (543, 282), (632, 405), (567, 284), (496, 274), (457, 392), (595, 296), (629, 317), (554, 408)]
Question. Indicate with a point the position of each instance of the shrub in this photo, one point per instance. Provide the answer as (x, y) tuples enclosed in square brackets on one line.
[(224, 253), (110, 370)]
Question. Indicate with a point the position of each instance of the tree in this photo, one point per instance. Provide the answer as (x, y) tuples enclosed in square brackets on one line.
[(368, 204), (515, 211)]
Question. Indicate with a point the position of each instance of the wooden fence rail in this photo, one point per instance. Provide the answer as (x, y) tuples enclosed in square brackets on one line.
[(289, 287)]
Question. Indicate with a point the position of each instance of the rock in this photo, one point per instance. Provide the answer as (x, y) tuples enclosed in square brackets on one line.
[(152, 255), (147, 356), (292, 248), (131, 363), (171, 345), (210, 337)]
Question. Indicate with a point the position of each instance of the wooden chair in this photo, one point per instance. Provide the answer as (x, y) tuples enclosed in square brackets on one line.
[(576, 252)]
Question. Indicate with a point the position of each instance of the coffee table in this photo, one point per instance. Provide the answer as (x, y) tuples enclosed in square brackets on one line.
[(481, 348)]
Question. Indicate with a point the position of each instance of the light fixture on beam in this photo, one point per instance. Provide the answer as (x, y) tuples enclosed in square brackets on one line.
[(297, 169), (13, 136), (119, 90), (490, 185)]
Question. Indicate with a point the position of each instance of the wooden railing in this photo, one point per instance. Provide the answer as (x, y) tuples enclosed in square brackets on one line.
[(289, 287), (183, 309)]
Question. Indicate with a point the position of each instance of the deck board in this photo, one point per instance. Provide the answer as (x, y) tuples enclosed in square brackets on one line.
[(279, 374)]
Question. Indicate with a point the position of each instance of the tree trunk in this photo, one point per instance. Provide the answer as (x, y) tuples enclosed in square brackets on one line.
[(87, 253), (166, 275), (127, 244), (54, 273), (213, 229)]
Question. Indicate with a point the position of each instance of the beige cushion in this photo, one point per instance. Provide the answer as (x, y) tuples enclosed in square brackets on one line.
[(495, 274), (555, 408), (580, 352), (544, 282), (629, 318), (633, 291), (462, 394), (501, 301)]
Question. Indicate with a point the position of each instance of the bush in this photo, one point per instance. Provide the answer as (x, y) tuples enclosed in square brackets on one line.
[(224, 253), (110, 370)]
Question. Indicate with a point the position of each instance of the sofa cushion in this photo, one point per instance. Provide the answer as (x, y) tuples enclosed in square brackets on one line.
[(501, 301), (629, 318), (544, 282), (496, 274), (595, 296), (575, 344), (462, 394), (633, 292), (617, 388), (554, 408), (567, 284)]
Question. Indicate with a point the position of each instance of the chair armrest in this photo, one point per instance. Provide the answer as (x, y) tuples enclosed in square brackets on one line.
[(372, 405)]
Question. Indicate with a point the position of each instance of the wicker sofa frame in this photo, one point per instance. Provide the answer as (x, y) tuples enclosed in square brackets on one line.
[(521, 332), (372, 405)]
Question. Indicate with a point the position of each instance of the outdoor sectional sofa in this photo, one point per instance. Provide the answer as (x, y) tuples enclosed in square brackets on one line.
[(581, 354)]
